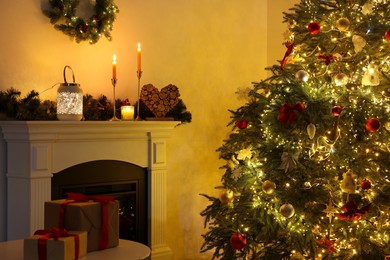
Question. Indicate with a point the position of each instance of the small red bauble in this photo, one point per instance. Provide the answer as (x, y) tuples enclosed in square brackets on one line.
[(237, 241), (336, 110), (365, 185), (242, 124), (314, 28), (373, 125), (387, 35)]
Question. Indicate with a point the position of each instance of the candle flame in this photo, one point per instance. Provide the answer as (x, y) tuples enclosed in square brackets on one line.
[(114, 59), (139, 47)]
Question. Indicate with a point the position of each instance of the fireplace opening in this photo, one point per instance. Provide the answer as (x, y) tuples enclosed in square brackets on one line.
[(124, 181)]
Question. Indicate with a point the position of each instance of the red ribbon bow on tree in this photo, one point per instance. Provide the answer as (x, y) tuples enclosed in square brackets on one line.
[(351, 211), (54, 233), (290, 47), (327, 244), (103, 200), (287, 112), (328, 58)]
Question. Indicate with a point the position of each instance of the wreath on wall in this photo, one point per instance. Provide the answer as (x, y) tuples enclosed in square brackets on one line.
[(63, 14)]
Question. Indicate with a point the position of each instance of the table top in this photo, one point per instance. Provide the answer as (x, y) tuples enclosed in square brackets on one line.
[(129, 250)]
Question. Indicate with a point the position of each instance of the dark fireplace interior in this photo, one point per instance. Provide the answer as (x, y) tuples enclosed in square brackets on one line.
[(124, 181)]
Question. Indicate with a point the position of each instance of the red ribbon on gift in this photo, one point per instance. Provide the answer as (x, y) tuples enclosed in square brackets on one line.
[(287, 112), (54, 233), (72, 198), (104, 201)]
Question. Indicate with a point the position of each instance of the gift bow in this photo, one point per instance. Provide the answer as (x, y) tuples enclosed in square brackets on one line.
[(351, 211), (287, 112), (103, 200), (54, 233)]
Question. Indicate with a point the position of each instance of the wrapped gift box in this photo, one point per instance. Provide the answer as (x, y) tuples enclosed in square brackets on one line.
[(63, 248), (86, 216)]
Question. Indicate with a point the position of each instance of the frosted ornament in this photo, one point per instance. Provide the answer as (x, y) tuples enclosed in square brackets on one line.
[(341, 79), (287, 210), (358, 43), (302, 75), (311, 130), (371, 76), (367, 8), (348, 184), (69, 100)]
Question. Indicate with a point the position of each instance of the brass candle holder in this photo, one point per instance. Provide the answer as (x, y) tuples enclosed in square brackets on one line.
[(114, 118), (139, 74)]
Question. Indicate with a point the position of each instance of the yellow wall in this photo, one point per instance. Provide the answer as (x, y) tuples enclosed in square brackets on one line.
[(208, 48)]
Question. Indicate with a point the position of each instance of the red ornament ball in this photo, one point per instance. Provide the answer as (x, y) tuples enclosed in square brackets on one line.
[(387, 35), (365, 185), (237, 241), (242, 124), (373, 125), (314, 28), (336, 110)]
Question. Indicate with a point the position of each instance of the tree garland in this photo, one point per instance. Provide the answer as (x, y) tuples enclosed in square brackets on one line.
[(63, 15)]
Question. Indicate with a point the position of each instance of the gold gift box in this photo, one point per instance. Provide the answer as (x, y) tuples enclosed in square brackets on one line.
[(85, 216), (61, 249)]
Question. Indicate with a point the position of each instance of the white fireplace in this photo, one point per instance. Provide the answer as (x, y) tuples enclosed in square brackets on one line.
[(32, 151)]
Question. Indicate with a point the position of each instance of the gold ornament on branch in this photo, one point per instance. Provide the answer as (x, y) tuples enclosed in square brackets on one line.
[(226, 196), (268, 186)]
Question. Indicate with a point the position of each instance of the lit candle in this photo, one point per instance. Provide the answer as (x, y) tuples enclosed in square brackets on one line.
[(127, 112), (114, 67), (139, 58)]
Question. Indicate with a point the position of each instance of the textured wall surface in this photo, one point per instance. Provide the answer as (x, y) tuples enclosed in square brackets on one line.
[(208, 48)]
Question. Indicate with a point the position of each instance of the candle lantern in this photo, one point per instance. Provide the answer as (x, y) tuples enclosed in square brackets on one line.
[(69, 100)]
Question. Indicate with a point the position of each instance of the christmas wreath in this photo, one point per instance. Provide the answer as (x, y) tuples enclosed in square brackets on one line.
[(63, 14)]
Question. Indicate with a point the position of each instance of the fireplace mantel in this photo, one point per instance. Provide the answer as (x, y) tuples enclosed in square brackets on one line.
[(33, 150)]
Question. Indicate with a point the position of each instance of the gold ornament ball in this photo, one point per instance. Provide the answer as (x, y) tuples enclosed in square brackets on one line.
[(226, 196), (287, 210), (343, 24), (269, 187), (387, 125), (341, 79)]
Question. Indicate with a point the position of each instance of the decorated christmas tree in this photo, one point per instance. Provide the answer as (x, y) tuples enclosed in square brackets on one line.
[(308, 159)]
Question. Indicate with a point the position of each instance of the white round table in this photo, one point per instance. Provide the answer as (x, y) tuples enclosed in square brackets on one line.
[(129, 250)]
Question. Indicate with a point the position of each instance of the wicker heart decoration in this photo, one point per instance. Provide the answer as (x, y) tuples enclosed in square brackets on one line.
[(160, 102)]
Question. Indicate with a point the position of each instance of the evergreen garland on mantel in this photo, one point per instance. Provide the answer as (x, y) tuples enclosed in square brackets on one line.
[(12, 107), (63, 15)]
